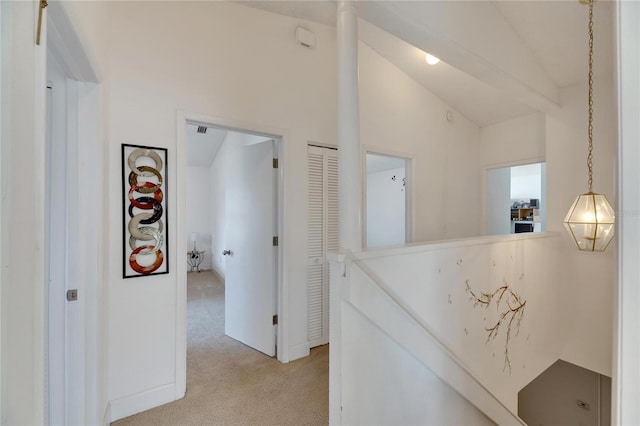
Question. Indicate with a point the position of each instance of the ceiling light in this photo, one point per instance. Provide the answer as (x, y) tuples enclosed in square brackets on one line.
[(432, 60), (591, 219)]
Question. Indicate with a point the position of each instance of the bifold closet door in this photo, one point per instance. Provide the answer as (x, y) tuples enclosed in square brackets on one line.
[(322, 238)]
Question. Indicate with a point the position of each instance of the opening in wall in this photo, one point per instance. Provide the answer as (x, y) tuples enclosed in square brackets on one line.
[(516, 199), (388, 198)]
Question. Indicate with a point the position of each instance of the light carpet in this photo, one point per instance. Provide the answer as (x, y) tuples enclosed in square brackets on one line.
[(229, 383)]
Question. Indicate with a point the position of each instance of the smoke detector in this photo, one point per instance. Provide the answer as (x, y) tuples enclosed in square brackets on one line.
[(305, 38)]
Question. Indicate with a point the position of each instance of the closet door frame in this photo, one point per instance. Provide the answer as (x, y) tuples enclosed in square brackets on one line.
[(326, 153)]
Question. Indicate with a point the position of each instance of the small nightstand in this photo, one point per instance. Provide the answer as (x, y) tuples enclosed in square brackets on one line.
[(194, 259)]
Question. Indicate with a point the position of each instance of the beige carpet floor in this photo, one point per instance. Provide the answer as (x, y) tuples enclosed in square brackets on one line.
[(229, 383)]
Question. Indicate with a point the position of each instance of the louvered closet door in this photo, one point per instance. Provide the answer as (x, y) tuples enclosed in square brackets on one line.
[(322, 237)]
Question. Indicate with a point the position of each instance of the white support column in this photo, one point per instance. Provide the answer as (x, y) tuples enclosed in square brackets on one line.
[(349, 189), (349, 162)]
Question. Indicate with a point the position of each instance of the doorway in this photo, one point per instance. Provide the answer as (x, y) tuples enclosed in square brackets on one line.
[(74, 334), (388, 200), (322, 232), (184, 245), (516, 199), (232, 215), (566, 394)]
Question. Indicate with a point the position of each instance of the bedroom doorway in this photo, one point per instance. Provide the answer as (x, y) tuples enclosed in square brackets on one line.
[(232, 193)]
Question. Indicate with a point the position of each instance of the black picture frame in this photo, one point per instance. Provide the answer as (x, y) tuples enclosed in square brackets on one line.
[(145, 223)]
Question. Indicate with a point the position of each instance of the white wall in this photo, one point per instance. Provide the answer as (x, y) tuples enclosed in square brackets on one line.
[(526, 182), (386, 385), (262, 78), (587, 291), (152, 73), (199, 211), (517, 141), (22, 230), (148, 75), (386, 208), (498, 201), (399, 115), (587, 283), (431, 280)]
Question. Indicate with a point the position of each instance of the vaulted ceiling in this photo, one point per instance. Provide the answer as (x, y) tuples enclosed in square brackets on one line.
[(202, 148), (500, 59)]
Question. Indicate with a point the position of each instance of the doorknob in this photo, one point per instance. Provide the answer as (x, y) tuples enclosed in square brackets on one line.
[(226, 252)]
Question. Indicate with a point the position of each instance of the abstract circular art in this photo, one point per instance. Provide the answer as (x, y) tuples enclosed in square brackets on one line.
[(145, 230)]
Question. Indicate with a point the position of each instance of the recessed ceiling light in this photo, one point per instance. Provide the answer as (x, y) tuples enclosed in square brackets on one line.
[(432, 60)]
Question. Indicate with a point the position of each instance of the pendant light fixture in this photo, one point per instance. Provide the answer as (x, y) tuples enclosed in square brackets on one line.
[(591, 219)]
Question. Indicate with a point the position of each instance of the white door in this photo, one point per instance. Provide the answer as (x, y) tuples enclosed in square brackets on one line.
[(322, 233), (250, 267)]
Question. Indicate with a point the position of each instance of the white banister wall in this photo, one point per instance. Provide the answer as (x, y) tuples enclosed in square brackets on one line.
[(424, 382), (429, 283), (385, 384)]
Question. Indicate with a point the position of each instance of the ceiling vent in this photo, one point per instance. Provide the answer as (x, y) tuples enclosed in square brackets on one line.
[(202, 129)]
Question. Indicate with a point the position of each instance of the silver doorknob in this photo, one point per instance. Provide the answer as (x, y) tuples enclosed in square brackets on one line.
[(226, 252)]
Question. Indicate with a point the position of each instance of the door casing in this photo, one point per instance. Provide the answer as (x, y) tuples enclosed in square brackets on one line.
[(410, 189), (82, 325), (282, 282)]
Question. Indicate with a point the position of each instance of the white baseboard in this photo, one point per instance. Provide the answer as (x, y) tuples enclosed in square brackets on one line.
[(106, 420), (216, 271), (299, 351), (133, 404)]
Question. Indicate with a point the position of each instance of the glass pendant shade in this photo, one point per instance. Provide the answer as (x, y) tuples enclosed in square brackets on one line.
[(591, 219), (591, 222)]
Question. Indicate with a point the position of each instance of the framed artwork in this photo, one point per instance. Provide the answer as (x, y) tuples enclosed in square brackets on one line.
[(144, 190)]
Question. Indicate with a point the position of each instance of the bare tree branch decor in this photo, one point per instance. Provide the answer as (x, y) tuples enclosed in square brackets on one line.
[(510, 307)]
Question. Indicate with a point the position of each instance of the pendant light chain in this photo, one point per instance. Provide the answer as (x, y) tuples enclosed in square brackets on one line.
[(591, 219), (590, 126)]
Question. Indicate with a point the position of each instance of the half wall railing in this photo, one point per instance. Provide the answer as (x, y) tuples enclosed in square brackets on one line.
[(473, 319)]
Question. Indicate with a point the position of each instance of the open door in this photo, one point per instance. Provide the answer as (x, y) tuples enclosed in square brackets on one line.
[(250, 268)]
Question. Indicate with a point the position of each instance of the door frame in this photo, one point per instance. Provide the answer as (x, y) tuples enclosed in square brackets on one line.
[(410, 189), (281, 137), (326, 273)]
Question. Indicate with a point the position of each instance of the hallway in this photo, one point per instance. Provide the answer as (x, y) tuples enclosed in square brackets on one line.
[(229, 383)]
